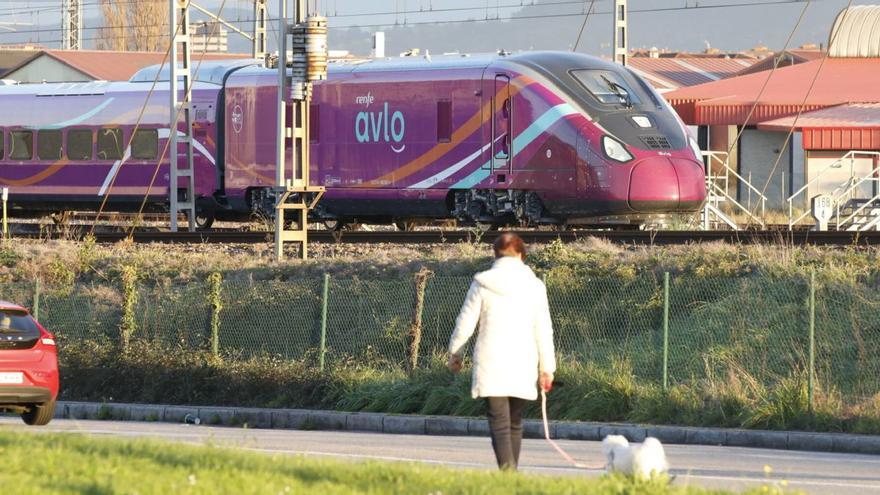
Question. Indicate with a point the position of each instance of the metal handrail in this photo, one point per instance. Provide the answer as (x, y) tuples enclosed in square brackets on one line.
[(723, 158), (738, 205), (835, 164), (871, 176)]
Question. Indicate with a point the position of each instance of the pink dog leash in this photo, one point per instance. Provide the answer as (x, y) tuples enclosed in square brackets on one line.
[(554, 444)]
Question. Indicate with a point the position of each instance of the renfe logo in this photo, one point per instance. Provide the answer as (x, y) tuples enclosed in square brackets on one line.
[(237, 119), (373, 127), (364, 100)]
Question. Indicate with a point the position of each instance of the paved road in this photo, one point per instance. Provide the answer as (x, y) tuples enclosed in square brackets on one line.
[(719, 467)]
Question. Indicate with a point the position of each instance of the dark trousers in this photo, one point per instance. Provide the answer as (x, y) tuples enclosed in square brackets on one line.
[(505, 426)]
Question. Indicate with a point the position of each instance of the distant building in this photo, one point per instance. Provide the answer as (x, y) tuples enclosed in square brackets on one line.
[(785, 59), (210, 37), (830, 106), (36, 66)]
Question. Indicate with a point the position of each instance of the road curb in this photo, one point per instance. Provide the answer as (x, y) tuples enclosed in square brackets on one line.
[(302, 419)]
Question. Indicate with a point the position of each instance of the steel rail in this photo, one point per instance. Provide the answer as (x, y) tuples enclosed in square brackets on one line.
[(832, 238)]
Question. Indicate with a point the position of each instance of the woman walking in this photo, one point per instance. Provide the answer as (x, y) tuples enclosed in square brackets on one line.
[(514, 348)]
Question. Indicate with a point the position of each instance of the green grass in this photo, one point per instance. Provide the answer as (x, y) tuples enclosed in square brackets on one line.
[(74, 464)]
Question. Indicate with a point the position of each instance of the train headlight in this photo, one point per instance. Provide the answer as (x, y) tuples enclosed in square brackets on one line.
[(615, 150), (698, 153)]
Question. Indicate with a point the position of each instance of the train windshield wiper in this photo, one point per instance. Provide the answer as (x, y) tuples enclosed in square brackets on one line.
[(618, 91)]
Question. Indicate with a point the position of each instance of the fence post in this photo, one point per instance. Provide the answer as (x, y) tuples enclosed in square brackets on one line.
[(415, 330), (326, 295), (812, 371), (665, 330), (128, 325), (215, 280), (36, 306)]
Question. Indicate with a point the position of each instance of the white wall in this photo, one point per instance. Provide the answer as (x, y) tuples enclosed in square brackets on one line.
[(48, 69)]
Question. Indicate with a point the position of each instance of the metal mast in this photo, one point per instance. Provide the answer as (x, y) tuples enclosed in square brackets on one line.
[(261, 16), (181, 194), (71, 24), (306, 37), (621, 46)]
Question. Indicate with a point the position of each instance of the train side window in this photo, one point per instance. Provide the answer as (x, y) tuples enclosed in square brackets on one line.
[(444, 121), (79, 144), (21, 145), (110, 144), (2, 142), (145, 144), (314, 123), (49, 145)]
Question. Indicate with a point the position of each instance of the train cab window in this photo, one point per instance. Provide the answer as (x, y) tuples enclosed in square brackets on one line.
[(607, 87), (314, 123), (79, 144), (21, 145), (444, 121), (110, 144), (145, 144), (49, 144)]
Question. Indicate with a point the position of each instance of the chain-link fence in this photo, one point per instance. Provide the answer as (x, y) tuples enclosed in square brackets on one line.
[(757, 330)]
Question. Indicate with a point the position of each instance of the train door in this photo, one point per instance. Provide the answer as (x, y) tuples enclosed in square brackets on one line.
[(502, 126)]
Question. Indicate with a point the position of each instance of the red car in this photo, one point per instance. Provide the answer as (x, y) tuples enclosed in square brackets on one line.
[(28, 366)]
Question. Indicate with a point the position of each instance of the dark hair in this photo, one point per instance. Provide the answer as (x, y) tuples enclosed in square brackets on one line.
[(509, 244)]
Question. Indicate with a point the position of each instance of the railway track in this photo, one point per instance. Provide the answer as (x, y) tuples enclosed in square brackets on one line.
[(455, 236)]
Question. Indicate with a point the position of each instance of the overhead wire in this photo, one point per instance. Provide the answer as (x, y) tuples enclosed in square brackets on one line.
[(131, 136), (832, 39), (172, 188), (776, 62), (583, 26), (464, 21)]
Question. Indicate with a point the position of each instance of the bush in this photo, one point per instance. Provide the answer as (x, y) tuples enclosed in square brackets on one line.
[(158, 373)]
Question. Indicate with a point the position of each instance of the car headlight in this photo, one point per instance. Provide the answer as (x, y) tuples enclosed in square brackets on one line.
[(615, 150), (698, 153)]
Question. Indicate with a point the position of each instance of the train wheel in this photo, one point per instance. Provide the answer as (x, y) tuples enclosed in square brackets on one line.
[(204, 218), (334, 225)]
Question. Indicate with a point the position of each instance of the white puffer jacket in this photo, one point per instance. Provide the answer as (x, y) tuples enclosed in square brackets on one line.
[(515, 339)]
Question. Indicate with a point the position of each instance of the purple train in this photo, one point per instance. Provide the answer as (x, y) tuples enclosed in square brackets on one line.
[(535, 138)]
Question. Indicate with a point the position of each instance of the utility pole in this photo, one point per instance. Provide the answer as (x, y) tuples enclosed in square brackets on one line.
[(180, 45), (307, 39), (71, 24), (620, 44)]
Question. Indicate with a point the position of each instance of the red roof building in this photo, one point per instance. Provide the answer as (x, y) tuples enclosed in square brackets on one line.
[(729, 101), (670, 73), (88, 65)]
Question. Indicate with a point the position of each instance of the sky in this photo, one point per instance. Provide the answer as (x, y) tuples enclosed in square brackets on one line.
[(463, 24)]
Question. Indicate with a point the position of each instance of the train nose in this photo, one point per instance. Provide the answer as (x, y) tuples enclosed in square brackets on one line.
[(663, 183)]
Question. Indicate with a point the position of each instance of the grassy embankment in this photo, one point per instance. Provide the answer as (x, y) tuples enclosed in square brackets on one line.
[(723, 383), (50, 464)]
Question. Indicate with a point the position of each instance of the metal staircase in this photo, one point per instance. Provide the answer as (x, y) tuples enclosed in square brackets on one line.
[(854, 210), (718, 179)]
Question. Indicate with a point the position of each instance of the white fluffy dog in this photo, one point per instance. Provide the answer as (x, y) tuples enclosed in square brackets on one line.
[(641, 460)]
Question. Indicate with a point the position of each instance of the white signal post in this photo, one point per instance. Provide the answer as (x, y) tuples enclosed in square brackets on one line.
[(620, 43), (5, 199), (307, 39), (180, 45), (261, 17)]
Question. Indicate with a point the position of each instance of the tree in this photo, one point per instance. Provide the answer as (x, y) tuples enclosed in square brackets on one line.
[(134, 26)]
